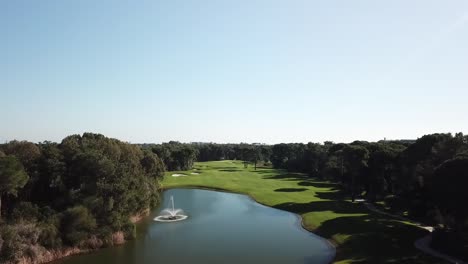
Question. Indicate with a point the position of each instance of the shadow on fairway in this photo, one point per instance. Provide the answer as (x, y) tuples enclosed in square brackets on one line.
[(266, 171), (389, 241), (363, 236), (332, 195), (304, 180), (291, 190), (288, 176), (334, 186), (341, 207)]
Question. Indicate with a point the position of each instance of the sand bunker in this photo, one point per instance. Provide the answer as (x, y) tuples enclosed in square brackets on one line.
[(194, 173), (178, 175)]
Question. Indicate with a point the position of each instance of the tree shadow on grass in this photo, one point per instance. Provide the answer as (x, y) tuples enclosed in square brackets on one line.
[(373, 239), (342, 207), (332, 195), (288, 176), (230, 170), (261, 170), (304, 180), (305, 183), (291, 189), (319, 184)]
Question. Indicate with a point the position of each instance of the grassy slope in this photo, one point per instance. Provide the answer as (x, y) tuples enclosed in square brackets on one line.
[(361, 236)]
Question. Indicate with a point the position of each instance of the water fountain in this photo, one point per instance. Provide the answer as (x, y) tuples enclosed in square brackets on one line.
[(171, 215)]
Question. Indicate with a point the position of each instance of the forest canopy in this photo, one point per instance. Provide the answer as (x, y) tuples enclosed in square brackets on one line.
[(78, 193), (83, 191)]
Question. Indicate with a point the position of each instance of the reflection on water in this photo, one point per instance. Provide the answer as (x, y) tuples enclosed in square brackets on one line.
[(221, 228)]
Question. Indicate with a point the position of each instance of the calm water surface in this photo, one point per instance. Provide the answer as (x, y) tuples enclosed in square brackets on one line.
[(221, 228)]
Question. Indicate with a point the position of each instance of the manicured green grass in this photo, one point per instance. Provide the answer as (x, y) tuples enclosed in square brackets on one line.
[(360, 235)]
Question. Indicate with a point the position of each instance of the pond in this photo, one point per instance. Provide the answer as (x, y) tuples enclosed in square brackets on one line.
[(220, 228)]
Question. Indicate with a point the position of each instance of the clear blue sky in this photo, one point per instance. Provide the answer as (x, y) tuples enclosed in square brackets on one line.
[(230, 71)]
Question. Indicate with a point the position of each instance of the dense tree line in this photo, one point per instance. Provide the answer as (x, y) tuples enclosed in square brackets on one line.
[(427, 179), (181, 156), (251, 153), (79, 193), (82, 192), (242, 151), (175, 155)]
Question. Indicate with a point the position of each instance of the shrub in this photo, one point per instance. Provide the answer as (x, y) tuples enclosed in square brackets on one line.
[(26, 211), (114, 220), (105, 233), (1, 242), (93, 243), (10, 246), (18, 240), (50, 236), (129, 230), (118, 238), (76, 225)]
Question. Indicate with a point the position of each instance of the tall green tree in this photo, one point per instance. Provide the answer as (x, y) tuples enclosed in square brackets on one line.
[(315, 157), (450, 191), (381, 165), (152, 165), (175, 155), (258, 156), (356, 158), (26, 152), (12, 177)]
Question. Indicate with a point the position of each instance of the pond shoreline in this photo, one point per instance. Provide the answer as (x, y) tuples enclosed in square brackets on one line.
[(55, 255), (332, 244), (50, 256)]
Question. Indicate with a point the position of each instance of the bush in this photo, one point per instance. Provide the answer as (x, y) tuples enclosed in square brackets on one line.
[(105, 233), (114, 220), (10, 245), (77, 224), (1, 243), (118, 238), (49, 215), (93, 243), (129, 230), (50, 236), (26, 211), (18, 240)]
